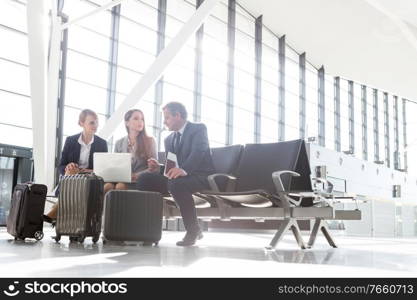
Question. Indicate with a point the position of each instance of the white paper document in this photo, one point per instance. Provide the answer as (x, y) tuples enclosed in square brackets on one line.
[(170, 163)]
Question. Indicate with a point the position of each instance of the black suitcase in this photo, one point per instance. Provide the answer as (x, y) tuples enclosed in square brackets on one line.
[(133, 216), (26, 211), (80, 207)]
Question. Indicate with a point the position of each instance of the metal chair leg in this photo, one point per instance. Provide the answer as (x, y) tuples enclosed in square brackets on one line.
[(297, 234), (314, 232), (328, 236), (286, 225), (320, 224)]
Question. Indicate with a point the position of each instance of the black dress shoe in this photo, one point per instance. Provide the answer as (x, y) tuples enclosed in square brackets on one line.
[(49, 220), (190, 239)]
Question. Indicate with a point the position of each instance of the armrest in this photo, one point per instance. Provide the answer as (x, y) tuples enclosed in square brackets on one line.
[(321, 180), (276, 178), (213, 185), (327, 184), (279, 187)]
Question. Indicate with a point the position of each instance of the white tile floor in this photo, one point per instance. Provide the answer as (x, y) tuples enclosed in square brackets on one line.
[(219, 254)]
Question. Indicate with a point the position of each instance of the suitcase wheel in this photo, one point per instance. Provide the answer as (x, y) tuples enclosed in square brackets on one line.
[(81, 239), (96, 238), (38, 235), (150, 243), (57, 238)]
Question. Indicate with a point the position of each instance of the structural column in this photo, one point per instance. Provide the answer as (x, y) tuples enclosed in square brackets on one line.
[(351, 117), (376, 125), (61, 97), (321, 108), (405, 134), (337, 131), (396, 136), (231, 33), (302, 90), (198, 69), (112, 73), (159, 86), (37, 14), (281, 105), (386, 131), (258, 78)]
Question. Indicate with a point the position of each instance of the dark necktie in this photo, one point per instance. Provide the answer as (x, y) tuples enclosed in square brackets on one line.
[(177, 139)]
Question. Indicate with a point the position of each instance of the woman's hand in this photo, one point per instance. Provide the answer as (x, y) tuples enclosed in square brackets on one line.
[(153, 165), (72, 169)]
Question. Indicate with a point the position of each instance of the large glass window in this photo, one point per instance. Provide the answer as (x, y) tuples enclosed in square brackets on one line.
[(15, 103), (269, 87), (136, 52), (13, 15), (344, 115), (381, 127), (391, 129), (292, 100), (357, 124), (88, 68), (329, 111), (411, 112), (400, 134), (370, 123), (269, 92), (179, 75), (87, 64), (244, 101), (214, 76)]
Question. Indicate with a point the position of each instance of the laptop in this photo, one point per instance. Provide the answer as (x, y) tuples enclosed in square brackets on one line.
[(113, 167)]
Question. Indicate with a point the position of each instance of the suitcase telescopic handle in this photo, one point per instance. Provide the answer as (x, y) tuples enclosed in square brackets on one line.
[(85, 173)]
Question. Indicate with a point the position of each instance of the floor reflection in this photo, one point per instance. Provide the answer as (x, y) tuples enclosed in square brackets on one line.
[(217, 251)]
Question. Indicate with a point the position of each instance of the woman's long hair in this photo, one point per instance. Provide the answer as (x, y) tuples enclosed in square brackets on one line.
[(143, 141)]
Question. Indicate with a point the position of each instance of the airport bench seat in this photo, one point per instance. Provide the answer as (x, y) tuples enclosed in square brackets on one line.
[(267, 182)]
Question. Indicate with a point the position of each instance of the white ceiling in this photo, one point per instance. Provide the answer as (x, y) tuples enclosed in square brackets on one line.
[(369, 41), (405, 9)]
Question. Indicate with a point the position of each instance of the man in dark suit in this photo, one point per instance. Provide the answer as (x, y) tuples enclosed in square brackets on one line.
[(189, 142)]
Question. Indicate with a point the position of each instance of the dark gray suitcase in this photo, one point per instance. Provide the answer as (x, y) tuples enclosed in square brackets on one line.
[(133, 216), (80, 207), (27, 206)]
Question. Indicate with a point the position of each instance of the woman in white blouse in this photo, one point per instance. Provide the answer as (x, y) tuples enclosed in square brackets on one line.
[(77, 155)]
